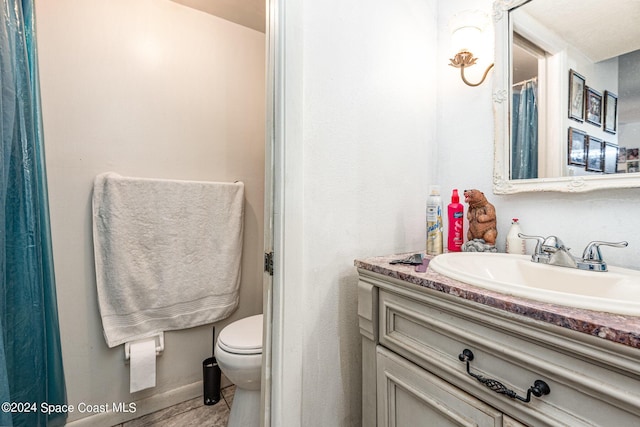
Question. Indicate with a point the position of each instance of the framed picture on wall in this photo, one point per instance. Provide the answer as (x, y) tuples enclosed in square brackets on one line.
[(610, 157), (595, 158), (622, 154), (622, 160), (577, 144), (593, 106), (576, 96), (610, 112)]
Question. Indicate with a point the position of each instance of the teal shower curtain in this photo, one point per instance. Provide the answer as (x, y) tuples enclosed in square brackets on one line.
[(524, 132), (31, 374)]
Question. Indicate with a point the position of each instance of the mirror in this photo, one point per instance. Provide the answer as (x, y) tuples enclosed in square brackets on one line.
[(584, 50)]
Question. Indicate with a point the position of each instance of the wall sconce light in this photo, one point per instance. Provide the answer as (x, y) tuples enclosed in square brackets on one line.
[(466, 37)]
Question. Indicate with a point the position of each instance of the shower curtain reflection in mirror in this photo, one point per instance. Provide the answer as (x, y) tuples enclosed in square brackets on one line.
[(30, 355), (524, 131)]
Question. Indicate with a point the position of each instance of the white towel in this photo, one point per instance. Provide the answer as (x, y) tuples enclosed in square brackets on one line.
[(167, 253)]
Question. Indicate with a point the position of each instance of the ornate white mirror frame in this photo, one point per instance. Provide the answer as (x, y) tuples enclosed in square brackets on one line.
[(502, 184)]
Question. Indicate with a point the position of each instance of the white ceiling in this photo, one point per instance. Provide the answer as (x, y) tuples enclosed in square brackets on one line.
[(600, 29), (249, 13)]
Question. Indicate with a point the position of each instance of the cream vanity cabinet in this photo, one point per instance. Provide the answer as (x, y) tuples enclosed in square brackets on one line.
[(416, 343)]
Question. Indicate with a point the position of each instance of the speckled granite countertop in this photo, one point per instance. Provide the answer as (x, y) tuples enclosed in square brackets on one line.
[(613, 327)]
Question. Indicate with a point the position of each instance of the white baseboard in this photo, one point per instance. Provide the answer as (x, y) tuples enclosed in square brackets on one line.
[(142, 407)]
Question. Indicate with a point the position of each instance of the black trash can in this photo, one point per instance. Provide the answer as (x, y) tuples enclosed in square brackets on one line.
[(211, 377), (211, 380)]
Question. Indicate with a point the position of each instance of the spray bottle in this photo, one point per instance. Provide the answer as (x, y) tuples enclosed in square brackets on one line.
[(434, 221), (455, 232)]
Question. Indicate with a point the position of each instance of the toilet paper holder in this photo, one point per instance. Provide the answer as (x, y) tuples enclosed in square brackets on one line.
[(159, 346)]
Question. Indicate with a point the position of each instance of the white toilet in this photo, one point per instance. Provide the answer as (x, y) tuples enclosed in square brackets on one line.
[(239, 355)]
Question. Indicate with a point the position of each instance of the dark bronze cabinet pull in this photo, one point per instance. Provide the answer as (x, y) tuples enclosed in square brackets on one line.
[(539, 387)]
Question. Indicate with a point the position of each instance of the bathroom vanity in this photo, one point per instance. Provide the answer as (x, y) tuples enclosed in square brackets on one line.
[(436, 351)]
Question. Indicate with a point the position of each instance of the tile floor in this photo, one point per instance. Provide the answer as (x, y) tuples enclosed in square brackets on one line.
[(190, 413)]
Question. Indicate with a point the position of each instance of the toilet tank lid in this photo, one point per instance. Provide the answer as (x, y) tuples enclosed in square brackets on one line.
[(242, 335)]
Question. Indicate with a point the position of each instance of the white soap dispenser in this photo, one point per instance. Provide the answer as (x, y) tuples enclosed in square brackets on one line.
[(515, 245)]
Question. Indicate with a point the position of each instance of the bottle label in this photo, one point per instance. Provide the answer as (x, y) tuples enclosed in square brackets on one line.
[(433, 212), (434, 237), (457, 230), (433, 226), (434, 229)]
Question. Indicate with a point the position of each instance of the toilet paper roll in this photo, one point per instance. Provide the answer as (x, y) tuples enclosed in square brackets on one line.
[(142, 365)]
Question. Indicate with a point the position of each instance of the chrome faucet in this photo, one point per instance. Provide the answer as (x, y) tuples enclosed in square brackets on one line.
[(552, 251), (592, 258)]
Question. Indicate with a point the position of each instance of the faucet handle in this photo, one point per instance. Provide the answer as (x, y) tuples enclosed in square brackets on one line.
[(540, 240), (592, 251), (552, 244)]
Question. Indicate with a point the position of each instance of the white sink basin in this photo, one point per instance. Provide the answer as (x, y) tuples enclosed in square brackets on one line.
[(615, 291)]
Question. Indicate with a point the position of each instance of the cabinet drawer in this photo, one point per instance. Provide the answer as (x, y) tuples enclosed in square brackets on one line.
[(433, 333), (409, 396)]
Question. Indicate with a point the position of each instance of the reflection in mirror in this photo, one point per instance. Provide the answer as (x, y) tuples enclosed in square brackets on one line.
[(596, 78), (629, 111), (527, 58), (570, 73)]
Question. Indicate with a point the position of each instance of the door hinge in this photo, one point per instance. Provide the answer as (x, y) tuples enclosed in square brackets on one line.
[(268, 263)]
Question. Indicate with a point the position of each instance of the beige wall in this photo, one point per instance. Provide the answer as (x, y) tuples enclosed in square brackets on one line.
[(148, 88)]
